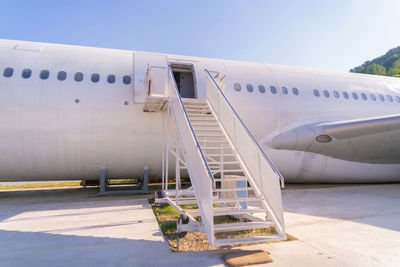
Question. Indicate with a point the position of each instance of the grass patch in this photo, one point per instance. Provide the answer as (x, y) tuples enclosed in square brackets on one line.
[(167, 218), (122, 181), (41, 185)]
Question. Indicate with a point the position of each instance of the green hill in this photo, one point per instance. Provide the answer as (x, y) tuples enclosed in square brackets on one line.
[(388, 64)]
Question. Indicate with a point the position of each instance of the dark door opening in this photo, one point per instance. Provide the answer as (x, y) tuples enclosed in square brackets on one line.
[(184, 79)]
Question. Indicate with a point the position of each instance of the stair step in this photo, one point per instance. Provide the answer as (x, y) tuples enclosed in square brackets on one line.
[(202, 120), (233, 189), (200, 109), (246, 240), (234, 200), (215, 147), (227, 171), (210, 135), (222, 162), (214, 141), (219, 180), (186, 201), (219, 155), (193, 103), (206, 124), (201, 115), (199, 106), (226, 211), (230, 227), (215, 130)]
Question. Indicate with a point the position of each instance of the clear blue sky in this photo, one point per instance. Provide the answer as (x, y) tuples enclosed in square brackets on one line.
[(332, 35)]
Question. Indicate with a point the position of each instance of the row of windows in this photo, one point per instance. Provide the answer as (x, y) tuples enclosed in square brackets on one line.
[(261, 89), (326, 93), (62, 75), (355, 96)]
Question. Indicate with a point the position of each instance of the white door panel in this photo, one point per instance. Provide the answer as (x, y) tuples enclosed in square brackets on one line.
[(150, 75)]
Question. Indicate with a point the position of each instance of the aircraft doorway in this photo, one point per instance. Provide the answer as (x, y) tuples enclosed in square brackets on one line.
[(185, 80)]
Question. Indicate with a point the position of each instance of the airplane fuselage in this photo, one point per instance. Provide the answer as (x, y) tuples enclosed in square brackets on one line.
[(59, 128)]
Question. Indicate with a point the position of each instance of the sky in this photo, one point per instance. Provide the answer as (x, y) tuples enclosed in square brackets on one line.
[(322, 34)]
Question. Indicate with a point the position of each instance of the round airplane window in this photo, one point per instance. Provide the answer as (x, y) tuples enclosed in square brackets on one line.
[(295, 91), (79, 76), (62, 75), (95, 78), (8, 72), (126, 79), (26, 73), (364, 96), (111, 78), (44, 74), (336, 94), (261, 88), (237, 87), (250, 88)]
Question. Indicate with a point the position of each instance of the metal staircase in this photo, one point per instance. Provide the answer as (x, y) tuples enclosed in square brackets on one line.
[(229, 172)]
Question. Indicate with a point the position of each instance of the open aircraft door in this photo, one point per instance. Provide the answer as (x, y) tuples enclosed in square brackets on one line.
[(151, 76)]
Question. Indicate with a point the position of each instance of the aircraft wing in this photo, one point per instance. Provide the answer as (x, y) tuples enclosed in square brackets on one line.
[(370, 140)]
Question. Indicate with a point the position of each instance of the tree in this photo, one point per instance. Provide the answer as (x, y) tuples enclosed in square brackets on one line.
[(359, 69), (375, 69), (388, 64), (395, 69)]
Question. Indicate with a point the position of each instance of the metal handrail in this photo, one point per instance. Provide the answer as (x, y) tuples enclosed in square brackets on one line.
[(249, 133), (192, 130)]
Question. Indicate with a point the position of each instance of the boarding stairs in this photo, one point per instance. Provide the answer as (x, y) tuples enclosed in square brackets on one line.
[(234, 186)]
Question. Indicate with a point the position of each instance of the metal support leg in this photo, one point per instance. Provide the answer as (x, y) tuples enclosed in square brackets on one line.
[(177, 173), (145, 180), (102, 180)]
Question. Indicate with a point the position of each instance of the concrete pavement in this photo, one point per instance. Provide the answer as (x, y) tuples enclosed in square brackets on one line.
[(336, 226)]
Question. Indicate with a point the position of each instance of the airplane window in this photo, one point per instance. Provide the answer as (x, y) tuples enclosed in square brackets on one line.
[(111, 78), (345, 95), (8, 72), (62, 75), (285, 91), (26, 73), (237, 87), (355, 96), (273, 89), (261, 88), (326, 93), (250, 88), (79, 76), (397, 99), (95, 77), (363, 96), (373, 97), (126, 79), (316, 92), (381, 98), (389, 98), (295, 91), (336, 94), (44, 74)]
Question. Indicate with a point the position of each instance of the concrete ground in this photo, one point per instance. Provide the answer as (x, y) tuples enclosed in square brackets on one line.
[(336, 226)]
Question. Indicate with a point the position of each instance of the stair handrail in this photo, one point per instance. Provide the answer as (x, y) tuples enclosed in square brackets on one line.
[(200, 173), (282, 180), (192, 131)]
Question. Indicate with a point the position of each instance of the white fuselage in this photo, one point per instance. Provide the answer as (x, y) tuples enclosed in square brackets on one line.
[(53, 129)]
